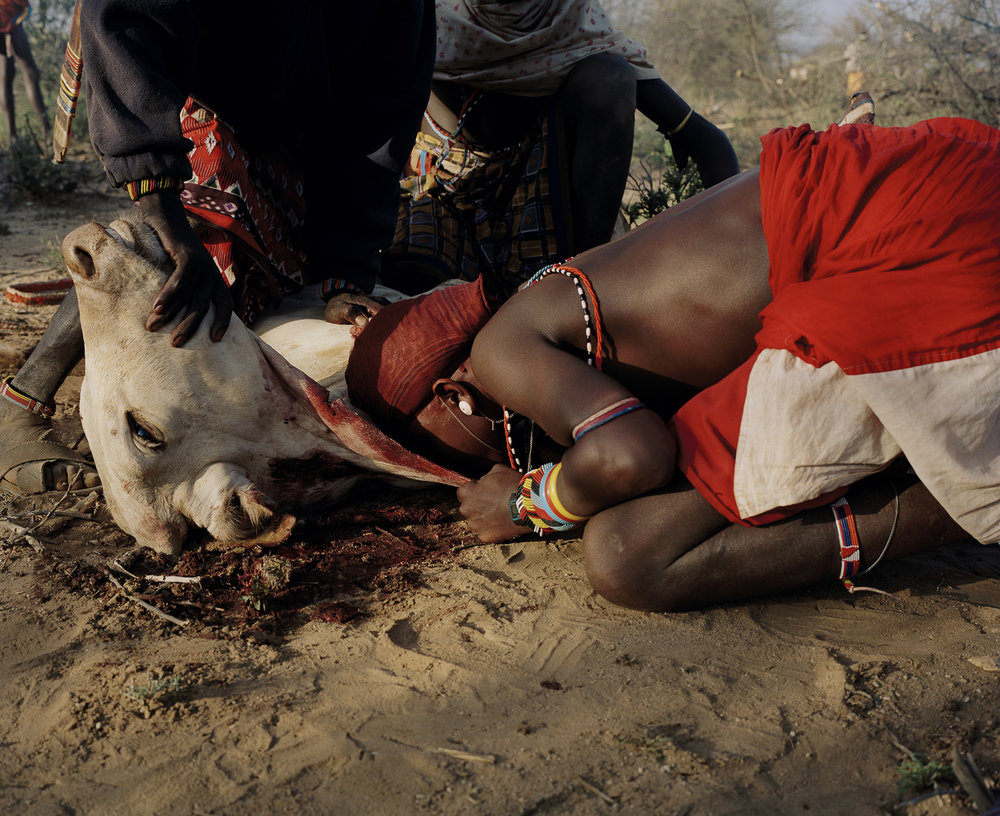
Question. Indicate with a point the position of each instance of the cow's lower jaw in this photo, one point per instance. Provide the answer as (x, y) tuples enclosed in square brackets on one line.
[(163, 536)]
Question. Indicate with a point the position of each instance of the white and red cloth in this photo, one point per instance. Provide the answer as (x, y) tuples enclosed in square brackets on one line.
[(526, 47), (883, 337)]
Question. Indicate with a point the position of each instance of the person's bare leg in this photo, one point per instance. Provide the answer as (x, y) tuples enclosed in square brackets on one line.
[(7, 94), (597, 102), (32, 76), (50, 466), (673, 551)]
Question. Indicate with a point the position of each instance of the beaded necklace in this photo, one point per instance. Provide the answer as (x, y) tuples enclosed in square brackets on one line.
[(519, 431)]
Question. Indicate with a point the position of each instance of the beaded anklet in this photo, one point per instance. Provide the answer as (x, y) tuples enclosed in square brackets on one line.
[(850, 544), (24, 401), (847, 536)]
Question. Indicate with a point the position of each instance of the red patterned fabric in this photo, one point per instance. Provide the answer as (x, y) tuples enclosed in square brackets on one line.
[(11, 13), (408, 345), (251, 212)]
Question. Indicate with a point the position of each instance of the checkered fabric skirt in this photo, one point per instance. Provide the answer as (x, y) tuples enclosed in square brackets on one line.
[(504, 220)]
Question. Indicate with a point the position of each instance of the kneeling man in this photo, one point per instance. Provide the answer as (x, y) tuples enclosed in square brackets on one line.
[(836, 315)]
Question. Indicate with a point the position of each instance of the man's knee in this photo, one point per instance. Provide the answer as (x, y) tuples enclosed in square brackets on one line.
[(622, 565), (603, 85)]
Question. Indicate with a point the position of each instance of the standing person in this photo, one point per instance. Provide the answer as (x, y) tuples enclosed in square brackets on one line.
[(526, 146), (293, 178), (834, 312), (17, 50)]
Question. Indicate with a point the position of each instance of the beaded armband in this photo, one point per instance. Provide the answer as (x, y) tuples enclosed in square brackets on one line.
[(7, 391), (535, 502), (334, 286), (605, 415), (137, 189)]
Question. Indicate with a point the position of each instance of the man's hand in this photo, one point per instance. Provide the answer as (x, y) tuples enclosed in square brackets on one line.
[(195, 283), (485, 504), (348, 308)]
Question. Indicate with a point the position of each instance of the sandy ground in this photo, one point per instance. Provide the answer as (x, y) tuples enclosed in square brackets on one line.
[(381, 662)]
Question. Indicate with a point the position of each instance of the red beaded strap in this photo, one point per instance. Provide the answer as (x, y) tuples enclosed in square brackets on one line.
[(23, 400)]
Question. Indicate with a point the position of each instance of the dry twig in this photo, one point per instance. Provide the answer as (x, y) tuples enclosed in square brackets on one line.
[(25, 533), (147, 606)]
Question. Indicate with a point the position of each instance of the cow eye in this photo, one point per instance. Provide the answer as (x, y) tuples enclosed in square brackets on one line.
[(143, 435)]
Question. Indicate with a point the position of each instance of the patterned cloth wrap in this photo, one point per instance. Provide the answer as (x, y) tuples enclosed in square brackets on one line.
[(12, 13), (526, 47), (501, 215), (883, 335), (250, 212)]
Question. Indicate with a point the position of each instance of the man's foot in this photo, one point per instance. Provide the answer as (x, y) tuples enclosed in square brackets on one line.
[(31, 461)]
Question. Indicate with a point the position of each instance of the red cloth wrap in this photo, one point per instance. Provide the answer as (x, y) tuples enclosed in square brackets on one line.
[(408, 345), (884, 254)]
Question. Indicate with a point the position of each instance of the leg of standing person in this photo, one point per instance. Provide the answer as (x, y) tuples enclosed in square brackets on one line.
[(672, 551), (30, 460), (22, 53), (597, 102), (7, 89)]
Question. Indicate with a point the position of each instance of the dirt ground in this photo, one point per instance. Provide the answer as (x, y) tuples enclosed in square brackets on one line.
[(382, 662)]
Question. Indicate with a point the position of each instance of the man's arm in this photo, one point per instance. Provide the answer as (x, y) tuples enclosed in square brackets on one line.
[(195, 283), (524, 366), (139, 55)]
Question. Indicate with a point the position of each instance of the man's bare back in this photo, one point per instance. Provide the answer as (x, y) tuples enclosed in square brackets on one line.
[(669, 327)]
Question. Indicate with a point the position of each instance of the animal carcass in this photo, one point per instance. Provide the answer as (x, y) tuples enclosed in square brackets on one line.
[(228, 437)]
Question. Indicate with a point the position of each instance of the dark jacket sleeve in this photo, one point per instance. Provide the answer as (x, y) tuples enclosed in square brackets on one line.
[(337, 89), (381, 81), (138, 56)]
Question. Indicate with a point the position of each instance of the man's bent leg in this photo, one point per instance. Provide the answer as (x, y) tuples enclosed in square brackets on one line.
[(597, 101), (673, 551), (30, 460)]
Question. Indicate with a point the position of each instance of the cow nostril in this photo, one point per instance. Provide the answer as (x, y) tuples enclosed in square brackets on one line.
[(81, 262)]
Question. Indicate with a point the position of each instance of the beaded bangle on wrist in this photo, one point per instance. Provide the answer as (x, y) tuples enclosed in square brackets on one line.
[(137, 189), (334, 286), (535, 502)]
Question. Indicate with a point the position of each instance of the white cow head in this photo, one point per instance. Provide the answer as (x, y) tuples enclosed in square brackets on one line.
[(222, 436)]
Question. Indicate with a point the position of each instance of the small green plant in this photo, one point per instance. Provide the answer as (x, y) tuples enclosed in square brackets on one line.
[(155, 694), (267, 576), (917, 774), (655, 746), (29, 170), (54, 255), (161, 687), (255, 596), (653, 191)]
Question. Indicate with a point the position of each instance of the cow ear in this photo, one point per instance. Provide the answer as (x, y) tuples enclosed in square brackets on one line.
[(249, 519)]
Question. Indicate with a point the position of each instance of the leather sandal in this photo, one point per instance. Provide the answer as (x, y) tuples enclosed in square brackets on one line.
[(23, 466)]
